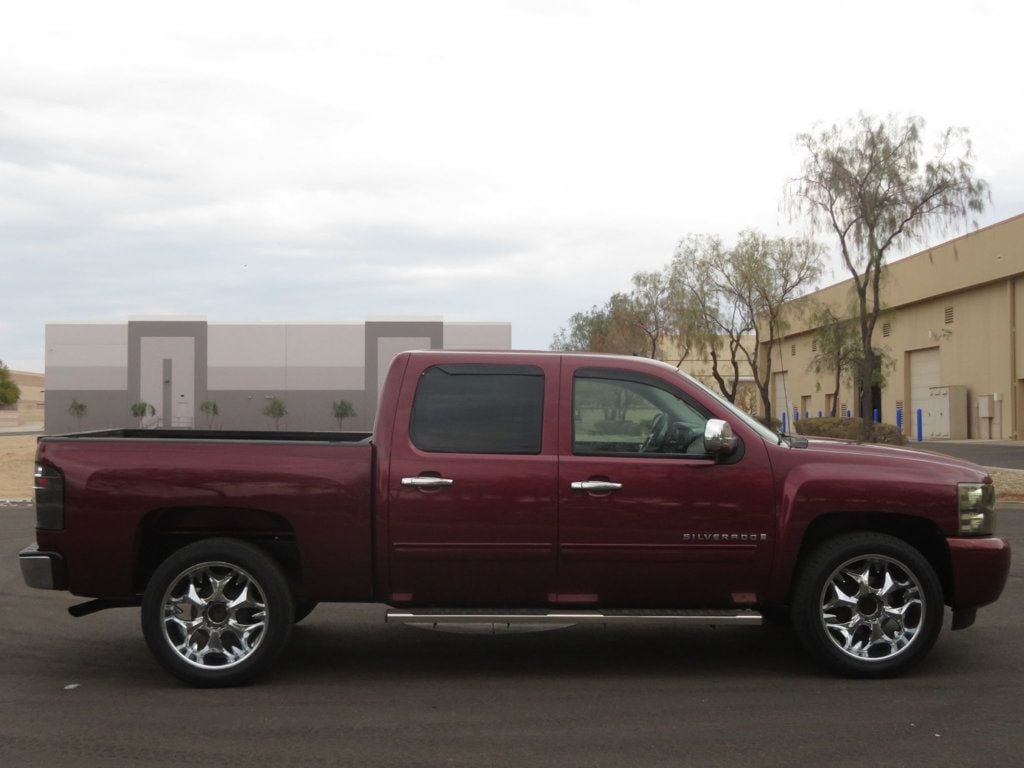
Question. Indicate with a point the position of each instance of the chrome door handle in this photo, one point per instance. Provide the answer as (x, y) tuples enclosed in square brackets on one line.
[(596, 485), (427, 482)]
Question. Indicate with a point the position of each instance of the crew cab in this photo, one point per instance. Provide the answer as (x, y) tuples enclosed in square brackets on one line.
[(517, 489)]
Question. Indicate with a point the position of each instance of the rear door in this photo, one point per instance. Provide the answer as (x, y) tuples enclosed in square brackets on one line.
[(472, 484)]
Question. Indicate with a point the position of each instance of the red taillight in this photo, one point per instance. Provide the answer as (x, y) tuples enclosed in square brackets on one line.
[(49, 488)]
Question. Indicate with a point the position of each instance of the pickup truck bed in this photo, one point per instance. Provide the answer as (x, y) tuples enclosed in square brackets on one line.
[(295, 492)]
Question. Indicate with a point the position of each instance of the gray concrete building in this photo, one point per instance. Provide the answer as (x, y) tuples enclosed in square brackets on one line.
[(177, 364)]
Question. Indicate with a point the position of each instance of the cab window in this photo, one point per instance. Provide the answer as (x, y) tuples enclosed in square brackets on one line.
[(473, 408), (633, 417)]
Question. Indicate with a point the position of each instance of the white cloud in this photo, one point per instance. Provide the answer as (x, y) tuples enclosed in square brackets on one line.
[(476, 160)]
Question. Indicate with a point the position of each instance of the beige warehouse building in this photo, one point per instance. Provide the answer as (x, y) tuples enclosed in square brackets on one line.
[(949, 332)]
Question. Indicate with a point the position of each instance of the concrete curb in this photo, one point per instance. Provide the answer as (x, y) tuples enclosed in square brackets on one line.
[(14, 502)]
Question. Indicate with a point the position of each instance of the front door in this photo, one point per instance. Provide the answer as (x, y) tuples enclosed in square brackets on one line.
[(472, 484), (646, 517)]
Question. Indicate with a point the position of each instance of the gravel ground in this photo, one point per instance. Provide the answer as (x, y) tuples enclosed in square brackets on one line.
[(16, 455), (1009, 483)]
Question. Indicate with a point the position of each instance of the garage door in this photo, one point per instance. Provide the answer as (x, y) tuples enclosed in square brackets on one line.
[(924, 373)]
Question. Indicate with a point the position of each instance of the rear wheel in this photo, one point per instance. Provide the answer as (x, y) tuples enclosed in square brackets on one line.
[(868, 605), (217, 612)]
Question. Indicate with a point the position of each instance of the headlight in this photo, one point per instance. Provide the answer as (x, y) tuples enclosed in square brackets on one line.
[(977, 508)]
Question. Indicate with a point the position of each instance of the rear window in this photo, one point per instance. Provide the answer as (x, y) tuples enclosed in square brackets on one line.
[(479, 409)]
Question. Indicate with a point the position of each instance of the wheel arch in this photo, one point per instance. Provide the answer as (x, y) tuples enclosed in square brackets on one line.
[(921, 533), (164, 531)]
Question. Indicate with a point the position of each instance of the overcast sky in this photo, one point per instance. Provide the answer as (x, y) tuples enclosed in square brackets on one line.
[(487, 161)]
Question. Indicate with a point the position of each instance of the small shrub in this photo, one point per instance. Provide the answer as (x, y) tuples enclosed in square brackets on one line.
[(342, 409), (141, 409), (78, 410), (889, 434), (849, 429), (275, 409), (210, 412)]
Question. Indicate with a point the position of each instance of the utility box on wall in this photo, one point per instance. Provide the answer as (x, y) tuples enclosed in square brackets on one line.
[(946, 414)]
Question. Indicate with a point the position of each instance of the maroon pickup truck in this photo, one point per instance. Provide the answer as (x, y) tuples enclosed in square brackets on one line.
[(512, 489)]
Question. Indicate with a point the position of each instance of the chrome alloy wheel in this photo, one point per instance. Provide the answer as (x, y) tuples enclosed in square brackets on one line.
[(872, 608), (214, 615)]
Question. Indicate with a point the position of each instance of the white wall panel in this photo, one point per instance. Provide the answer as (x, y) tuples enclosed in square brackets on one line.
[(87, 333), (478, 336), (247, 345), (86, 378), (326, 345)]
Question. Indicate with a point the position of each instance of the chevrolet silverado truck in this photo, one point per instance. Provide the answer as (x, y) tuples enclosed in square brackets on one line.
[(517, 489)]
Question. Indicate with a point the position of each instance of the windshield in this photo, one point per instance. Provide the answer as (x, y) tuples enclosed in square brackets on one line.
[(746, 418)]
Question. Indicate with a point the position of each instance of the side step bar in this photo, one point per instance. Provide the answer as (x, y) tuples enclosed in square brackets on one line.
[(435, 616)]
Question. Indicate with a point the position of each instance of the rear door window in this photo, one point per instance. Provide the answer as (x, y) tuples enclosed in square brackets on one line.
[(479, 408)]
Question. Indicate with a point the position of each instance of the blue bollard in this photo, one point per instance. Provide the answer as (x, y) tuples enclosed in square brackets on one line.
[(783, 422), (899, 420), (920, 422), (875, 413), (819, 414)]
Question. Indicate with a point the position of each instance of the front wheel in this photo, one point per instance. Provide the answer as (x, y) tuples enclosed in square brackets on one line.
[(217, 612), (868, 605)]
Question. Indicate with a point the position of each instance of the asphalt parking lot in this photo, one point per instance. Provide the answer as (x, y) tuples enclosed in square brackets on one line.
[(356, 691), (1004, 454)]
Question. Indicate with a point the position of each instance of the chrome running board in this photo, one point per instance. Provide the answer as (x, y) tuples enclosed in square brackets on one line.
[(499, 616)]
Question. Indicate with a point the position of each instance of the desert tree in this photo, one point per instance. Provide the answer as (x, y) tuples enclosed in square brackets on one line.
[(712, 323), (635, 322), (740, 294), (598, 329), (837, 348), (762, 275), (9, 390), (872, 186)]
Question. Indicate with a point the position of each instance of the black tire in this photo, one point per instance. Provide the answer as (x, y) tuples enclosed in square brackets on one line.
[(219, 586), (827, 589), (777, 616), (303, 608)]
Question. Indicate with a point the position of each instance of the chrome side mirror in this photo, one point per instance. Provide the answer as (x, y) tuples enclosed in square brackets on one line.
[(718, 438)]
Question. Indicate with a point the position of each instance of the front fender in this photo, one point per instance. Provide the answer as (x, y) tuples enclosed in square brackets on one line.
[(813, 490)]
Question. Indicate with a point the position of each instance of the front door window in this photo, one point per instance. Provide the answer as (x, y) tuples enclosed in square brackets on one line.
[(615, 416)]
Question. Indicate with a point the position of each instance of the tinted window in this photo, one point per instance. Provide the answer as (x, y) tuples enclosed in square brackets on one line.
[(634, 417), (479, 409)]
